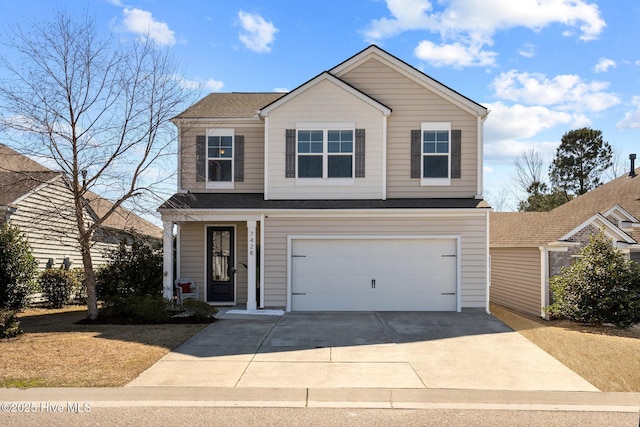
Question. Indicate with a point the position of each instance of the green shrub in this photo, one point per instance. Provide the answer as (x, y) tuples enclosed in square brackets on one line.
[(17, 268), (79, 292), (139, 308), (9, 324), (199, 310), (56, 285), (601, 287), (131, 270)]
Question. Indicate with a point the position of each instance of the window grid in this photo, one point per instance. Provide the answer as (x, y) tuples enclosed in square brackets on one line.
[(435, 153), (325, 153), (220, 158)]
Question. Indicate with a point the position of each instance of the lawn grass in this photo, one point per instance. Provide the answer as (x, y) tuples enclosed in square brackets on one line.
[(55, 351), (607, 357)]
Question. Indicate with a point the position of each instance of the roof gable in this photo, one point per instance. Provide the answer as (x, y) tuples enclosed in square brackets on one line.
[(411, 72), (325, 76), (620, 214), (599, 221)]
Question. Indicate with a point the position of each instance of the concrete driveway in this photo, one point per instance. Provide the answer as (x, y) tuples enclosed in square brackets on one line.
[(414, 350)]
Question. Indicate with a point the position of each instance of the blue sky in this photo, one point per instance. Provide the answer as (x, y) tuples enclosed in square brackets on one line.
[(542, 67)]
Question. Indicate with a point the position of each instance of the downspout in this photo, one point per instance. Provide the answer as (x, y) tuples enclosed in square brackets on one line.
[(384, 157), (266, 167), (544, 281), (480, 166), (488, 307), (262, 251)]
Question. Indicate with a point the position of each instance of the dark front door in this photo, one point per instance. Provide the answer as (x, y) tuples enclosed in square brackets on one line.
[(220, 264)]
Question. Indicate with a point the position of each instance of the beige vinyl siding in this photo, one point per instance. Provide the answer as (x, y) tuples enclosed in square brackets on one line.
[(471, 228), (193, 255), (46, 217), (253, 132), (515, 279), (413, 104), (325, 103)]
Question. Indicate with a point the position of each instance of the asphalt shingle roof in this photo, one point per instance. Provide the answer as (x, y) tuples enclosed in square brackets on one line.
[(20, 175), (229, 105), (531, 229)]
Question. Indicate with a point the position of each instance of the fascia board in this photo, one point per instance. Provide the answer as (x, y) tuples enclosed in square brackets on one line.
[(251, 214)]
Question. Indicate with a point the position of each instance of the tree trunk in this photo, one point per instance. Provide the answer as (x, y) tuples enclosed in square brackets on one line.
[(90, 279)]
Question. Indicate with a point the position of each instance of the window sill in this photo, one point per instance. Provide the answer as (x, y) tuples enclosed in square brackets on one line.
[(324, 182), (220, 186), (435, 182)]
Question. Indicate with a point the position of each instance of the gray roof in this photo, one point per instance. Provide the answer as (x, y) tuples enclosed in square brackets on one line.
[(533, 229), (19, 175), (234, 201), (229, 105)]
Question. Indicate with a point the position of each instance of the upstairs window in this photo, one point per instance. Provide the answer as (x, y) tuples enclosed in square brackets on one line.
[(435, 154), (435, 167), (219, 158), (325, 153)]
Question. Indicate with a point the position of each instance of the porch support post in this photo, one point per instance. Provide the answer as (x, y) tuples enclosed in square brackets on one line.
[(251, 265), (167, 259)]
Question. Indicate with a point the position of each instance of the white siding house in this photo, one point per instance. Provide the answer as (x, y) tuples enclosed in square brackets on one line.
[(359, 190)]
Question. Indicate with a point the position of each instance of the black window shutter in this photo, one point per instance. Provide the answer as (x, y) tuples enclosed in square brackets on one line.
[(360, 150), (456, 153), (201, 158), (238, 158), (415, 153), (290, 159)]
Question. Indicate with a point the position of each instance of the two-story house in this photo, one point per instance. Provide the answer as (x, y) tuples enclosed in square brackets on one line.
[(361, 189)]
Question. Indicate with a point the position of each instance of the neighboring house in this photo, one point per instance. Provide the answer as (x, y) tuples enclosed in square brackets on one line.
[(528, 248), (40, 202), (361, 189)]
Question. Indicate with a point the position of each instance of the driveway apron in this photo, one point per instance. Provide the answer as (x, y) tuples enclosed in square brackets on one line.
[(409, 350)]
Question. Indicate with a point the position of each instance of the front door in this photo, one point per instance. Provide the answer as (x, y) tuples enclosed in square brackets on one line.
[(220, 264)]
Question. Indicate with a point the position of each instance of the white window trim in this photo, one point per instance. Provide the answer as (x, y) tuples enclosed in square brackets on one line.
[(425, 126), (325, 127), (228, 185)]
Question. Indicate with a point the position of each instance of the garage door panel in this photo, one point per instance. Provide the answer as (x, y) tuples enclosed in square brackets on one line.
[(374, 274)]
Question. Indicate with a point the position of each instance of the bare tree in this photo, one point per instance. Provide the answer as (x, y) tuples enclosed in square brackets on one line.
[(618, 167), (529, 170), (96, 107)]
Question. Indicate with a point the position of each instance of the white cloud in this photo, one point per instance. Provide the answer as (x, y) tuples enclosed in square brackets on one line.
[(604, 64), (456, 55), (209, 85), (142, 23), (257, 34), (466, 26), (281, 90), (519, 122), (565, 91), (512, 129), (631, 119), (528, 50)]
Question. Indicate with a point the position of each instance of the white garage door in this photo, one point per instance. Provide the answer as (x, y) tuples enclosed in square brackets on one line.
[(373, 274)]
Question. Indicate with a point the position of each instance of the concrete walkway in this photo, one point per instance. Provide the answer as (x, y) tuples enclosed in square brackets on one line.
[(361, 351)]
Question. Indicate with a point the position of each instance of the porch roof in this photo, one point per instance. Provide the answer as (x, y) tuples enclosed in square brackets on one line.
[(256, 201)]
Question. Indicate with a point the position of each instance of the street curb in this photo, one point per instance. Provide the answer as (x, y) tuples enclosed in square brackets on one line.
[(40, 398)]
